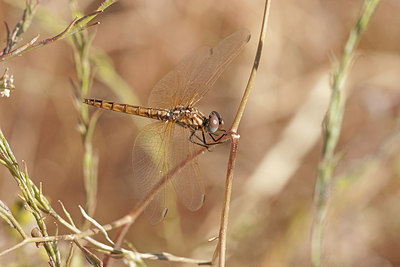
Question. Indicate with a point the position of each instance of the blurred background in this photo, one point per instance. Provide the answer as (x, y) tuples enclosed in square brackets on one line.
[(281, 131)]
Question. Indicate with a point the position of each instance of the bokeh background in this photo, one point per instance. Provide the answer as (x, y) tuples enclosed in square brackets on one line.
[(281, 131)]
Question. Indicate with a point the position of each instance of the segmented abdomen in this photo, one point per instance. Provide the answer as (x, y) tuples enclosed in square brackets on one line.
[(153, 113)]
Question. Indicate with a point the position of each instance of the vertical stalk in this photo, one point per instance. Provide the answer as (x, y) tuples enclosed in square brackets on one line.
[(332, 130), (82, 44), (227, 200), (221, 247)]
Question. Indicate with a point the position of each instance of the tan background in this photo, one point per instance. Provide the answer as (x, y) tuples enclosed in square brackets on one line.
[(280, 143)]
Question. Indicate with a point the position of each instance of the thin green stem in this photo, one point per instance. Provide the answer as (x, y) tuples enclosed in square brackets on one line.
[(21, 27), (77, 25), (7, 216), (30, 193), (81, 48), (333, 123)]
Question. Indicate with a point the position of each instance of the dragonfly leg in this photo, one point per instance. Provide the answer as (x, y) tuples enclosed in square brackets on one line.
[(205, 141), (199, 141), (217, 138)]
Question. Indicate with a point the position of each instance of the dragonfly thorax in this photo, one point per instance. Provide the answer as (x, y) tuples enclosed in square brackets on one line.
[(189, 117), (194, 119)]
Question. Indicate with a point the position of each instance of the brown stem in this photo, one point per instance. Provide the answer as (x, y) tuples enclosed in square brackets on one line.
[(221, 248), (253, 73)]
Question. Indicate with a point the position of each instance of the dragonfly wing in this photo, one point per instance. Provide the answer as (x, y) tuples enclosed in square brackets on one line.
[(187, 182), (196, 74), (150, 164), (159, 147), (169, 92)]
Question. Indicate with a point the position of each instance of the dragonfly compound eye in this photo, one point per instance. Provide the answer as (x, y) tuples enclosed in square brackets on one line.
[(214, 122)]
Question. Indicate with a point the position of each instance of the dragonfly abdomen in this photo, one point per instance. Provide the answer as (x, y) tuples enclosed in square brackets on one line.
[(189, 117), (153, 113)]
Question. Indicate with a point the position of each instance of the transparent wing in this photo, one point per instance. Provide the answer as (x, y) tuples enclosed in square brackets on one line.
[(158, 148), (187, 182), (150, 162), (197, 73)]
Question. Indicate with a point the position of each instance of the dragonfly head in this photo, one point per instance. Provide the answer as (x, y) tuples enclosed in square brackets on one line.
[(215, 122)]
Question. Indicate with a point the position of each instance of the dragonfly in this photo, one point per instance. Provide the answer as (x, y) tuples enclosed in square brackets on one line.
[(180, 128)]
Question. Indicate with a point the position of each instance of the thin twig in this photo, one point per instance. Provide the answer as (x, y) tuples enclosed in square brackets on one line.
[(96, 224), (221, 247), (67, 213), (106, 249), (245, 97), (21, 244), (21, 27), (169, 257), (90, 257), (6, 215), (75, 26), (70, 255)]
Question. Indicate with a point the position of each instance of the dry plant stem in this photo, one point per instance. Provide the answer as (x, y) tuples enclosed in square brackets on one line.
[(221, 247), (253, 73), (75, 26), (107, 249), (169, 257), (332, 129), (21, 27), (70, 255)]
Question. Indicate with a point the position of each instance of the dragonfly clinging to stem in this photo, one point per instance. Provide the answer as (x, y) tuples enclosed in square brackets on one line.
[(162, 145)]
